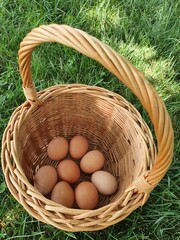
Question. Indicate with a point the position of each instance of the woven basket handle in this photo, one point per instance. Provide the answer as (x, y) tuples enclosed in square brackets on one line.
[(116, 64)]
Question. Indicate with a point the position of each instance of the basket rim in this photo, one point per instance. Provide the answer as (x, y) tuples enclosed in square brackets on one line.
[(64, 88)]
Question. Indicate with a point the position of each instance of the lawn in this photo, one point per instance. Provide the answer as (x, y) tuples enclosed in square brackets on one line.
[(147, 34)]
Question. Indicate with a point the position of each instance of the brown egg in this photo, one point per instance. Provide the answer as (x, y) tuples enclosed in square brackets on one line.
[(58, 148), (63, 194), (68, 171), (92, 161), (105, 182), (45, 179), (86, 195), (78, 147)]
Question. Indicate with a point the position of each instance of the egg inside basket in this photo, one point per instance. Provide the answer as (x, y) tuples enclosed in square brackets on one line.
[(110, 123)]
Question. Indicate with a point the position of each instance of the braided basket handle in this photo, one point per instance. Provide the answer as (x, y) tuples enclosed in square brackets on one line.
[(117, 65)]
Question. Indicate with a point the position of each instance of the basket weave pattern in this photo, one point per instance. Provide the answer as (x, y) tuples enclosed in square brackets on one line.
[(110, 123)]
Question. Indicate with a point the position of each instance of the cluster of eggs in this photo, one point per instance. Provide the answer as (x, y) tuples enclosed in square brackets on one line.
[(58, 181)]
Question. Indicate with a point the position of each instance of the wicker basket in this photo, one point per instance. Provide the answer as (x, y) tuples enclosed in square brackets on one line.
[(108, 121)]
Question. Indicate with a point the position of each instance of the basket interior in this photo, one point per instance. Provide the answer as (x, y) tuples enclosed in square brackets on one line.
[(109, 127)]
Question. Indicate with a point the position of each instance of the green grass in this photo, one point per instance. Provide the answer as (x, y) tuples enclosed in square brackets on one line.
[(145, 32)]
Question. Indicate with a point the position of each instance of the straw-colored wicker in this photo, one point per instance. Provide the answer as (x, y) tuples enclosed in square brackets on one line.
[(109, 122)]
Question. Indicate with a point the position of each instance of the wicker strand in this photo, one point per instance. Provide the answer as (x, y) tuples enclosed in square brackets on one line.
[(142, 184), (31, 95)]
